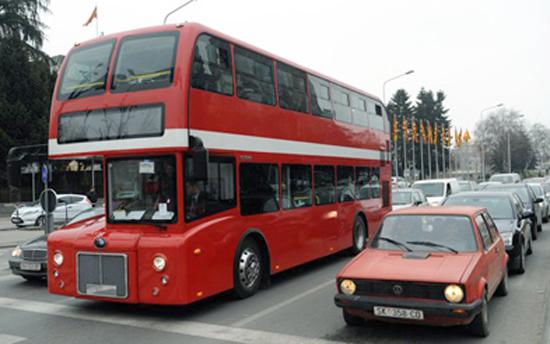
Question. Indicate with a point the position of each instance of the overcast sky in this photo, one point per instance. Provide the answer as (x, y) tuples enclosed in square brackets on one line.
[(479, 52)]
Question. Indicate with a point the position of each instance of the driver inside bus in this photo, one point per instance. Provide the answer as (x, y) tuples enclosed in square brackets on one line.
[(195, 200)]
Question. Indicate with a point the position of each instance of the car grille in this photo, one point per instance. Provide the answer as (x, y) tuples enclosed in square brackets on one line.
[(431, 291), (34, 255), (102, 274)]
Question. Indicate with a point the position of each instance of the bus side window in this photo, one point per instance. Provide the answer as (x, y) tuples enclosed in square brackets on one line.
[(363, 186), (325, 185), (259, 188), (212, 70), (255, 81), (359, 110), (341, 104), (214, 195), (320, 97), (296, 183), (292, 88), (375, 182), (346, 187)]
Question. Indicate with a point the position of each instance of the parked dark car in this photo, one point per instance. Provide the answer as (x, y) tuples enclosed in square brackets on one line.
[(512, 221), (530, 201), (29, 260)]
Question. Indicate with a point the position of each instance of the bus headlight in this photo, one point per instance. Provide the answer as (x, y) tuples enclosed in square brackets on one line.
[(16, 252), (58, 258), (454, 293), (159, 263), (348, 287)]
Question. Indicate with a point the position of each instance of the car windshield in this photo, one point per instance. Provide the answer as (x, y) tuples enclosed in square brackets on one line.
[(537, 189), (506, 179), (145, 62), (433, 233), (142, 189), (85, 73), (430, 189), (498, 207), (401, 197)]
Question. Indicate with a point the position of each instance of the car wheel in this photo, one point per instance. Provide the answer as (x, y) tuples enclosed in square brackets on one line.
[(534, 232), (530, 248), (502, 289), (40, 221), (248, 269), (352, 320), (539, 227), (520, 261), (480, 326), (359, 235), (545, 219)]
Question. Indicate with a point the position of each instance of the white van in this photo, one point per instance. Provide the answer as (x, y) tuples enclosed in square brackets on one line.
[(436, 190), (506, 178)]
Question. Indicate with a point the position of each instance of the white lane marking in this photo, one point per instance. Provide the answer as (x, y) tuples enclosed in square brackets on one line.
[(272, 309), (189, 328), (8, 277), (7, 339)]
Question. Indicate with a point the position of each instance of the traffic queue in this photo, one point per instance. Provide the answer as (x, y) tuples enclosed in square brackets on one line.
[(442, 264)]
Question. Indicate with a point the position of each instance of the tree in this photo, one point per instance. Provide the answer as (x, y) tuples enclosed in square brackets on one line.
[(495, 130), (399, 107), (540, 135), (21, 19)]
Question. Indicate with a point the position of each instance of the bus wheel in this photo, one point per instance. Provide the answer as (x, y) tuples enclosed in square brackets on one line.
[(248, 269), (359, 235)]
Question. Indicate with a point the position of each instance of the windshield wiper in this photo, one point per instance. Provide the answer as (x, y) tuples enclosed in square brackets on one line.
[(402, 246), (432, 244)]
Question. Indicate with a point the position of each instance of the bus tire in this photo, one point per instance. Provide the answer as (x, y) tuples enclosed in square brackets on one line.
[(248, 269), (359, 235)]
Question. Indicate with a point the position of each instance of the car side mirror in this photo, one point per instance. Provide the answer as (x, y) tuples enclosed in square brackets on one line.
[(539, 200), (417, 202), (526, 214)]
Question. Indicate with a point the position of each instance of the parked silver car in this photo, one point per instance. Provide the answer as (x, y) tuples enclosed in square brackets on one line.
[(406, 198), (539, 191), (68, 205)]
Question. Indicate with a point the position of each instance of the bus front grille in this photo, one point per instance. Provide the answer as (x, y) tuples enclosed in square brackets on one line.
[(102, 274)]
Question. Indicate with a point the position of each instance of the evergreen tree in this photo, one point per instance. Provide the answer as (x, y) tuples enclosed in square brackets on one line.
[(399, 107)]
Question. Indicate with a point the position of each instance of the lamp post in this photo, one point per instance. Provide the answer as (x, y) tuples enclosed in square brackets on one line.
[(384, 99), (508, 141), (177, 9), (482, 143)]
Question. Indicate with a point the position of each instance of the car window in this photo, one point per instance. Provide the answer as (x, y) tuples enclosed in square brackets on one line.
[(493, 231), (484, 232), (64, 200), (498, 207)]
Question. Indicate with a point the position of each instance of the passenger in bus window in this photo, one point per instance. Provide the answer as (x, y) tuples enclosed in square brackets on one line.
[(195, 200)]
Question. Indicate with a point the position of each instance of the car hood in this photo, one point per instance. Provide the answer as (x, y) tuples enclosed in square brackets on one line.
[(27, 210), (391, 265), (401, 206), (39, 243), (505, 225), (435, 200)]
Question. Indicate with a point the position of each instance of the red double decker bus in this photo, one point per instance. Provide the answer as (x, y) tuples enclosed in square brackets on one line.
[(223, 165)]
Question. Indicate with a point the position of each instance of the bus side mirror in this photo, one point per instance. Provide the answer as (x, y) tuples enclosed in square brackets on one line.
[(199, 170)]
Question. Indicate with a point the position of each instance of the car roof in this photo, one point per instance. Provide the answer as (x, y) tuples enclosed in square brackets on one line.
[(443, 210), (441, 180), (405, 190), (485, 194)]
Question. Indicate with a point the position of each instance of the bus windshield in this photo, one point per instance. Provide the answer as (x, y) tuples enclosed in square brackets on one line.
[(86, 71), (142, 189)]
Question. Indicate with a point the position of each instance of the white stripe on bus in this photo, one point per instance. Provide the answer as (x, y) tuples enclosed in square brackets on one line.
[(216, 140)]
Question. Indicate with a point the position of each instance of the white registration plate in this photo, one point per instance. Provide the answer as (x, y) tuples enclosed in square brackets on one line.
[(400, 313), (30, 266)]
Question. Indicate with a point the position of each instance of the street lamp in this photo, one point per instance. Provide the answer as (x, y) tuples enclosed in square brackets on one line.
[(384, 98), (508, 141), (177, 9), (482, 143)]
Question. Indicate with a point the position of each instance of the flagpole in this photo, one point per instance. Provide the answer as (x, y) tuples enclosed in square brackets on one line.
[(413, 153), (443, 144), (422, 174), (404, 154), (96, 20), (429, 153), (436, 159)]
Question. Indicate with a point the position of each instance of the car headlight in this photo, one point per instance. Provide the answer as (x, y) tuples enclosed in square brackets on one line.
[(454, 293), (348, 287), (159, 263), (508, 238), (17, 252), (58, 258)]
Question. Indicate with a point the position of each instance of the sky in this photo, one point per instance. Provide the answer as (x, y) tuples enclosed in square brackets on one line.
[(479, 52)]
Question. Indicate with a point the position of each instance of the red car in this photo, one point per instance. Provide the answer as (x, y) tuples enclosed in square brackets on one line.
[(433, 266)]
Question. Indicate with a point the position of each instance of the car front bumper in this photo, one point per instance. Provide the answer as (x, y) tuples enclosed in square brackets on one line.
[(435, 312), (15, 267)]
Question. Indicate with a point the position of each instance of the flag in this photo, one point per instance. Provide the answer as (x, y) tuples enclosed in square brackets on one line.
[(430, 135), (457, 139), (92, 17), (415, 137), (436, 134), (405, 129), (449, 137), (443, 136), (395, 129), (467, 136), (423, 132)]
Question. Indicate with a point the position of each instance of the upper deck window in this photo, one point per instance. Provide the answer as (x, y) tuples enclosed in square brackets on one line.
[(292, 88), (255, 80), (86, 71), (320, 97), (145, 62), (341, 104), (212, 70)]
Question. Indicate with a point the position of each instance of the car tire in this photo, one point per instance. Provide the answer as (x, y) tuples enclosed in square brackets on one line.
[(545, 219), (530, 248), (480, 326), (539, 227), (519, 266), (352, 320), (534, 233), (360, 235), (40, 221), (502, 289), (248, 269)]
